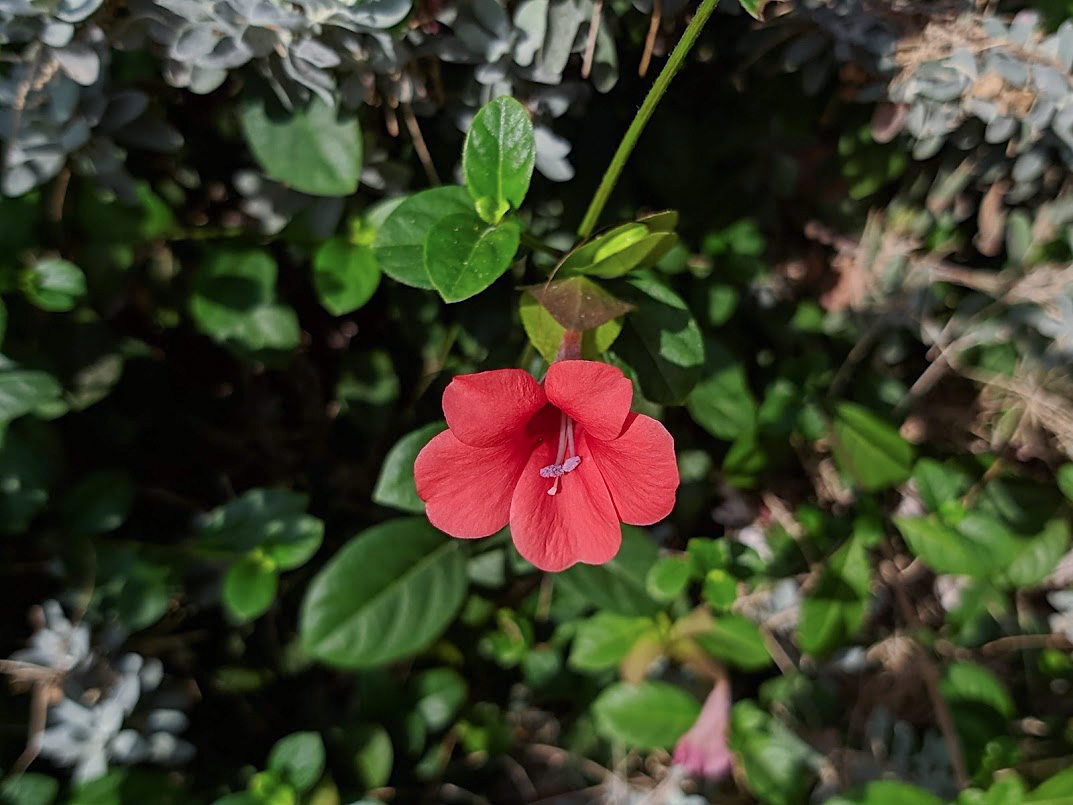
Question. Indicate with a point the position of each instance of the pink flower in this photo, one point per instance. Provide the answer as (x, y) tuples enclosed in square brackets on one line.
[(703, 750), (563, 464)]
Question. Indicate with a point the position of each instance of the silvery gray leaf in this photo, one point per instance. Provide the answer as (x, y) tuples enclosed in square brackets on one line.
[(564, 20), (531, 18), (492, 16), (551, 153), (994, 28), (492, 73), (1029, 165), (19, 179), (1062, 125), (75, 136), (151, 134), (1013, 71), (128, 746), (167, 720), (80, 62), (605, 59), (228, 53), (195, 43), (1065, 44), (984, 110), (316, 53), (151, 674), (1021, 192), (927, 147), (916, 119), (1050, 82), (166, 749), (203, 80), (1022, 26), (76, 10), (124, 107), (378, 14), (57, 34), (1040, 114), (1000, 130), (964, 61)]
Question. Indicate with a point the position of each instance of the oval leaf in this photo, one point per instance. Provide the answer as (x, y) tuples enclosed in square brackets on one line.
[(498, 157), (345, 275), (464, 255), (647, 716), (400, 243), (386, 595)]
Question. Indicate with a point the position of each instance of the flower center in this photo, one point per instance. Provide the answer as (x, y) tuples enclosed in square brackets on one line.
[(567, 459)]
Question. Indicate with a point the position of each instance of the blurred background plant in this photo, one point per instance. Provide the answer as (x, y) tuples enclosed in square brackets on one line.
[(233, 292)]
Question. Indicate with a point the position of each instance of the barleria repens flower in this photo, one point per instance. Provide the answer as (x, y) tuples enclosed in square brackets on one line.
[(565, 464)]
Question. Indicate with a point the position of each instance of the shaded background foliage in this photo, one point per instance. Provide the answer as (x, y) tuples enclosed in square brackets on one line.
[(214, 384)]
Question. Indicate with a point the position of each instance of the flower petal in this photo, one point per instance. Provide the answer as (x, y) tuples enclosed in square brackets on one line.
[(488, 408), (639, 469), (467, 490), (578, 524), (593, 394)]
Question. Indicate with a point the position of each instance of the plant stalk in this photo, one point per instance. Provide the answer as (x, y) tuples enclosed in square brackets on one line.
[(633, 133)]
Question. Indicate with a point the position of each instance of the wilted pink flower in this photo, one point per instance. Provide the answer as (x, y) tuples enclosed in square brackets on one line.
[(703, 750)]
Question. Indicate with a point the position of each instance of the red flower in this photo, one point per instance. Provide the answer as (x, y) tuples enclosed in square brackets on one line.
[(563, 464)]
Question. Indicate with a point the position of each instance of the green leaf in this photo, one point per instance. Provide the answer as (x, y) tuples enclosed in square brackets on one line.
[(980, 547), (234, 302), (99, 503), (1058, 790), (1039, 556), (250, 588), (464, 255), (721, 402), (299, 759), (834, 610), (345, 275), (395, 487), (314, 150), (967, 682), (667, 578), (869, 450), (887, 792), (752, 7), (386, 595), (626, 248), (498, 157), (779, 768), (272, 520), (546, 334), (646, 716), (440, 693), (374, 756), (30, 456), (23, 391), (619, 585), (129, 586), (604, 639), (737, 640), (1065, 480), (29, 789), (53, 284), (400, 242), (939, 482), (660, 340)]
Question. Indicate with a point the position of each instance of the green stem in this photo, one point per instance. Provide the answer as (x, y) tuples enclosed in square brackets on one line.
[(625, 148)]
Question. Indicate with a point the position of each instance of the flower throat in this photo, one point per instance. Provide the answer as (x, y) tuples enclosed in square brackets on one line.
[(566, 459)]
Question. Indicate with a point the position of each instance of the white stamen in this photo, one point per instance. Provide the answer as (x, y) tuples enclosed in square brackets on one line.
[(564, 463)]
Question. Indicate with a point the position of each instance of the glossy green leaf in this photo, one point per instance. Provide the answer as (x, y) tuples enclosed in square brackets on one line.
[(968, 682), (387, 594), (660, 340), (1039, 555), (498, 158), (667, 578), (395, 487), (29, 788), (23, 391), (440, 694), (604, 639), (834, 609), (314, 149), (1058, 790), (464, 255), (778, 767), (250, 588), (939, 482), (869, 450), (1065, 480), (619, 585), (299, 759), (887, 792), (99, 503), (721, 402), (373, 756), (53, 284), (400, 242), (345, 275), (271, 520), (737, 640), (234, 302), (626, 248), (947, 550), (646, 716)]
